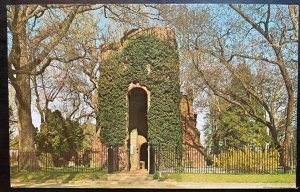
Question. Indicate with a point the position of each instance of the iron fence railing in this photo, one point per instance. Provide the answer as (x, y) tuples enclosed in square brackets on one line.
[(247, 160), (186, 159), (82, 161)]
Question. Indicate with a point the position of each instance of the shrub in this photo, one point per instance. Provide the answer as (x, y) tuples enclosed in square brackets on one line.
[(248, 160)]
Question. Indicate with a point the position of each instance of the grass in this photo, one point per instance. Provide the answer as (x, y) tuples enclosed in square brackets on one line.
[(226, 178), (71, 169), (62, 177), (77, 169), (42, 176)]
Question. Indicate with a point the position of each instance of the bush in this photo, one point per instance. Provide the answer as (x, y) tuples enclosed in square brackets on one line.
[(248, 160), (59, 136)]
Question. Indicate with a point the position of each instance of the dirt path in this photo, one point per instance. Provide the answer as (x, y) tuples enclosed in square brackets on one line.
[(152, 184), (141, 179)]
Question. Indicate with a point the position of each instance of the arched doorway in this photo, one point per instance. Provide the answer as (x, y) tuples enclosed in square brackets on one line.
[(144, 155), (137, 127), (138, 108)]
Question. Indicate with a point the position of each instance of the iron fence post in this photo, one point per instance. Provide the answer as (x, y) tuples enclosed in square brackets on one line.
[(110, 159)]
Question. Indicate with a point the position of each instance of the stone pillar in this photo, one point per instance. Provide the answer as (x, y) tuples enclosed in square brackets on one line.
[(134, 150)]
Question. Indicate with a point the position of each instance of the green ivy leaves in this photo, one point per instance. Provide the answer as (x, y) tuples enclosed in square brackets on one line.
[(129, 65)]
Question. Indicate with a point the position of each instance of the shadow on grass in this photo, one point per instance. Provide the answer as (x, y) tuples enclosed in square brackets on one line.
[(69, 178)]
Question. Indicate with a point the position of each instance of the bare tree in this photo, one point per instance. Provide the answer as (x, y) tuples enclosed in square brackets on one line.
[(277, 41), (260, 36), (84, 73), (47, 87), (26, 59), (37, 33)]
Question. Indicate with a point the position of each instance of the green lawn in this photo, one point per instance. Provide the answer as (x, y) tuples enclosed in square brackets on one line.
[(62, 177), (77, 169), (41, 176), (71, 169), (226, 178)]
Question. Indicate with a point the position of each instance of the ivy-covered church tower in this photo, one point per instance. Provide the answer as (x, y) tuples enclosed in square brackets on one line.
[(139, 92)]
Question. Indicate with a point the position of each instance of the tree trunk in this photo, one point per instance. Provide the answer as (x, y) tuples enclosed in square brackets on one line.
[(21, 83), (284, 159), (28, 158), (282, 148), (56, 161)]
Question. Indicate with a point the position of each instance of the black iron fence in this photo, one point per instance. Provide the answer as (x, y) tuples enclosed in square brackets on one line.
[(82, 161), (248, 160)]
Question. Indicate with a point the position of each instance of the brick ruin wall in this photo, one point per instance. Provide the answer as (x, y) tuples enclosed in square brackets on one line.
[(193, 151), (191, 136)]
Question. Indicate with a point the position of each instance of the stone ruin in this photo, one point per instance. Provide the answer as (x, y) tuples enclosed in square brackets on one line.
[(191, 135)]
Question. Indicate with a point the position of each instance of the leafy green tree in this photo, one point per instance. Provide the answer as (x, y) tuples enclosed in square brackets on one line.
[(233, 129), (89, 131), (228, 124), (59, 136)]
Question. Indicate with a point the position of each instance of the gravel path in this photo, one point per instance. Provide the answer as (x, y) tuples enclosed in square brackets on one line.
[(153, 184)]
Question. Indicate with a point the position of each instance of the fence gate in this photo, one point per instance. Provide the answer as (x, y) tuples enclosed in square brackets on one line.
[(152, 159), (110, 160), (113, 159)]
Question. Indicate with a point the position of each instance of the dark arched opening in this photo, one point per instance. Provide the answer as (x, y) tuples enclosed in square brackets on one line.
[(137, 127), (138, 111), (144, 154)]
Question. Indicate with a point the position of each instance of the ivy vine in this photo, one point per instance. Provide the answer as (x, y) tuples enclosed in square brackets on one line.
[(129, 65)]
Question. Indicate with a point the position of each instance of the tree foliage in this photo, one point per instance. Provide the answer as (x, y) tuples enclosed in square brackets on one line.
[(230, 128), (229, 124), (248, 160), (89, 131), (58, 135)]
